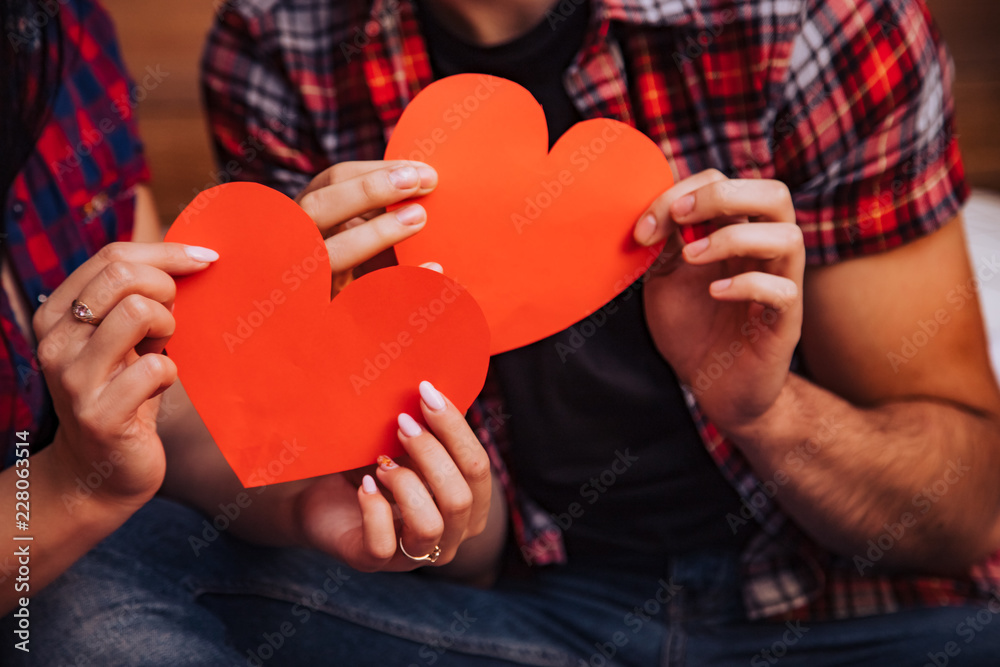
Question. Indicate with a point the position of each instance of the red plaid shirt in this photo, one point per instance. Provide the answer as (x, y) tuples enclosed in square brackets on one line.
[(74, 195), (846, 101)]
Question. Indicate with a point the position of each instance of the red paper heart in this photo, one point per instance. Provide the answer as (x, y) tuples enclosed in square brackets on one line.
[(541, 240), (290, 384)]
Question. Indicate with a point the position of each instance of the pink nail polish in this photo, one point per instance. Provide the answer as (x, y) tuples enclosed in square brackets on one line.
[(368, 484), (408, 425), (385, 463), (404, 178), (722, 285), (432, 397)]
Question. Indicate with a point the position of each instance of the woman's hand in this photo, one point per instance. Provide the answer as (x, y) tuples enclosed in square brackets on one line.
[(726, 311), (440, 497), (435, 500), (105, 379)]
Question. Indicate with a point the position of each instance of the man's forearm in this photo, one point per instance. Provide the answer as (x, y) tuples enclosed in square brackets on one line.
[(923, 472)]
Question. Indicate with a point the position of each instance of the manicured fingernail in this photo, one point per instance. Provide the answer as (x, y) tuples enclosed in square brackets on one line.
[(695, 248), (408, 426), (404, 178), (411, 215), (199, 254), (722, 285), (683, 206), (368, 484), (433, 266), (432, 397), (385, 463), (428, 177), (646, 229)]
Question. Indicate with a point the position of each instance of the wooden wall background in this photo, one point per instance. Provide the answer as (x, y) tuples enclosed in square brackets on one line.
[(169, 36)]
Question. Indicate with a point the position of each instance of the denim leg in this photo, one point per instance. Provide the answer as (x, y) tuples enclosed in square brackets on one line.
[(708, 629), (152, 595)]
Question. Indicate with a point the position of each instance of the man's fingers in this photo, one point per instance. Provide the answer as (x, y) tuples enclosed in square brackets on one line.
[(336, 203), (766, 289), (756, 198), (780, 243), (344, 170), (655, 224), (362, 242)]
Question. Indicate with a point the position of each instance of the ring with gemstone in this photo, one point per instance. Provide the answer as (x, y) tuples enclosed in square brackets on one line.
[(83, 313), (429, 558)]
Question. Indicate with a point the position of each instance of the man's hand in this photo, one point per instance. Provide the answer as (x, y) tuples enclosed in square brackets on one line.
[(726, 311)]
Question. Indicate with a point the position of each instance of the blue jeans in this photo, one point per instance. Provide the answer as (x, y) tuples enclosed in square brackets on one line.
[(144, 597)]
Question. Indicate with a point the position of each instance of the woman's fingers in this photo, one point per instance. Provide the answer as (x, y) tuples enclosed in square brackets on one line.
[(360, 243), (464, 450), (134, 318), (655, 224), (378, 529), (172, 258), (144, 378), (342, 200), (119, 279), (423, 525)]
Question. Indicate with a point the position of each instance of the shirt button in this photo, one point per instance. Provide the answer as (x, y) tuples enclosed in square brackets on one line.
[(17, 209)]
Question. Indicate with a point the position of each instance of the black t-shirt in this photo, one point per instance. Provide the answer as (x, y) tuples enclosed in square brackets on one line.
[(601, 436)]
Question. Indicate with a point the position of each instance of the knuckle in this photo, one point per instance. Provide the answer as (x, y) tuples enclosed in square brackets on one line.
[(135, 307), (458, 504), (114, 252), (48, 351), (429, 530), (478, 468), (374, 185), (793, 236), (118, 274)]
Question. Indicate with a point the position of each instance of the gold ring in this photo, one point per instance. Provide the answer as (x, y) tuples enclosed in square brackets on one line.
[(83, 313), (429, 558)]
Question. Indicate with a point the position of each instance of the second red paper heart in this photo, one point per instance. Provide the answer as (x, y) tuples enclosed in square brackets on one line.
[(542, 240)]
